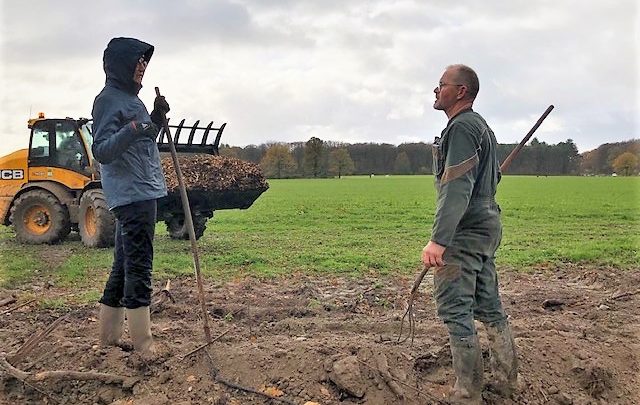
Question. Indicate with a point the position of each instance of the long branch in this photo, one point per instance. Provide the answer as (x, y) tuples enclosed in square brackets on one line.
[(60, 374)]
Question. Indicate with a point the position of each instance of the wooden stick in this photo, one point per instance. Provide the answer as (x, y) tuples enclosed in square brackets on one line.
[(61, 375), (14, 372), (30, 344), (188, 220), (624, 294), (166, 295), (22, 376), (7, 301), (106, 378), (18, 306), (166, 289), (197, 349), (507, 162)]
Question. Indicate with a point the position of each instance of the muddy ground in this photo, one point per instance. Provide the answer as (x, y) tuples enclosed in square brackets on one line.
[(306, 339)]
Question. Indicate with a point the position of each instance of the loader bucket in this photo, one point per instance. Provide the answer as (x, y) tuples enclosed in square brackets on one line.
[(208, 201), (227, 199)]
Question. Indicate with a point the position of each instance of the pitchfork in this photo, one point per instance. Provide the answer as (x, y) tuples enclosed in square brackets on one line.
[(409, 313)]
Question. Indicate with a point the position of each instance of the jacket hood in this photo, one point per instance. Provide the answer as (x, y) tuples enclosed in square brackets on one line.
[(120, 60)]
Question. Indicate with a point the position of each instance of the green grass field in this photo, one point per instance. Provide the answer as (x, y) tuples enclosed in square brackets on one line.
[(359, 225)]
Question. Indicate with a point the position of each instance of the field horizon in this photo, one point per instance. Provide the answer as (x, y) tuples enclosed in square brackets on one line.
[(361, 225)]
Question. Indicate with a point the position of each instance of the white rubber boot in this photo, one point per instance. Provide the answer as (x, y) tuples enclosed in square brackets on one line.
[(111, 325), (139, 321)]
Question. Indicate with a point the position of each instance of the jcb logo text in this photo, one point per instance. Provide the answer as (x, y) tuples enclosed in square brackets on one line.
[(11, 174)]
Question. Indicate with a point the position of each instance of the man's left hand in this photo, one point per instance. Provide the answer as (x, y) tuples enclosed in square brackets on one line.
[(432, 254)]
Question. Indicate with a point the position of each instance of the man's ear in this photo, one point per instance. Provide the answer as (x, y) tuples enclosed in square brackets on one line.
[(462, 92)]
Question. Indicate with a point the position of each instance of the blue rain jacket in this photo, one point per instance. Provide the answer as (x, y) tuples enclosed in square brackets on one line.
[(130, 162)]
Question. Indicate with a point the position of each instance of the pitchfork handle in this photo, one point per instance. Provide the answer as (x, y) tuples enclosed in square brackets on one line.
[(188, 220), (514, 152)]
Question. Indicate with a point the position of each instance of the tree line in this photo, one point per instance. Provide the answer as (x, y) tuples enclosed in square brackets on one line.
[(318, 158)]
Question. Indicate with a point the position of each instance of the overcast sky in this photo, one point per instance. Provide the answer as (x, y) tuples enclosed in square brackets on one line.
[(341, 70)]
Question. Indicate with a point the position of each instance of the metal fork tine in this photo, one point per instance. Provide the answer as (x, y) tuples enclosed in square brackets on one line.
[(192, 133), (217, 142), (206, 134), (177, 135), (199, 146)]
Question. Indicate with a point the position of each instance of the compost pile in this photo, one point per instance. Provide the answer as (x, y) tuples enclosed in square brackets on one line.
[(213, 173)]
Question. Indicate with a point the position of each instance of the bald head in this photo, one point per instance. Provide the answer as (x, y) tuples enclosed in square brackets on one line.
[(468, 77)]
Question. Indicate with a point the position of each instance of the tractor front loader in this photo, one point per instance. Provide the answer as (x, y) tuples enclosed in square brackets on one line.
[(53, 187)]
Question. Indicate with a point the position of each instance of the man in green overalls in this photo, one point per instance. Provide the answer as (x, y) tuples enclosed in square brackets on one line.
[(466, 234)]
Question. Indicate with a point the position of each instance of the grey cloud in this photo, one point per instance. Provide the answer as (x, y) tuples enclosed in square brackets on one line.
[(358, 69), (59, 32)]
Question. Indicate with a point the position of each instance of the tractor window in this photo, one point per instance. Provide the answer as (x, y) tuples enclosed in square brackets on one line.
[(70, 152), (40, 143)]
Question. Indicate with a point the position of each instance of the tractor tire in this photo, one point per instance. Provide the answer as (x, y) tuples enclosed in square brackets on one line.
[(96, 224), (38, 217), (178, 229)]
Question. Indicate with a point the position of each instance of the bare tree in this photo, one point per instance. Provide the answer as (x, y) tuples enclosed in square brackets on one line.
[(278, 161), (340, 162), (625, 164), (314, 154)]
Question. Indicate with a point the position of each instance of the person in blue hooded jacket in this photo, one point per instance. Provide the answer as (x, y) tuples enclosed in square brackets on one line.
[(132, 180)]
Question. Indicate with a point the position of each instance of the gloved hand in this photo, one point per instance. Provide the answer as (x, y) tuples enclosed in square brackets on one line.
[(160, 110), (148, 129), (160, 104)]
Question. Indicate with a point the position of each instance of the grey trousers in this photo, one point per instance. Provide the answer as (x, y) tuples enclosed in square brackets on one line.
[(466, 288)]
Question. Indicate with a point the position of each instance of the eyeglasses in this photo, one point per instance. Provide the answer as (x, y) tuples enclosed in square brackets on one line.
[(441, 85), (143, 62)]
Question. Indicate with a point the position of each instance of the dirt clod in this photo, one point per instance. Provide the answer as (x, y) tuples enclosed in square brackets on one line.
[(345, 374)]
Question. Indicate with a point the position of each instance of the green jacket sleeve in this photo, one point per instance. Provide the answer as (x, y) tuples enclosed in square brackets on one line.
[(455, 181)]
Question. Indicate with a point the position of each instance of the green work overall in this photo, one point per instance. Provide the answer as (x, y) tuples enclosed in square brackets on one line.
[(467, 223)]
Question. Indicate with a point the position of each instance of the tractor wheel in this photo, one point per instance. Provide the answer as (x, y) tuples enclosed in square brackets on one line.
[(39, 217), (96, 223), (178, 229)]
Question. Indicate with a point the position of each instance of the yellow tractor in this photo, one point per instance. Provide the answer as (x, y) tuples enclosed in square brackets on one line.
[(54, 186)]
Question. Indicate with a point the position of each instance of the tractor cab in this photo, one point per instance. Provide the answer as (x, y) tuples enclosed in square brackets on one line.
[(62, 145)]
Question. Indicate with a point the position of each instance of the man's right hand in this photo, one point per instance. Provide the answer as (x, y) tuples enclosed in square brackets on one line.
[(432, 254)]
